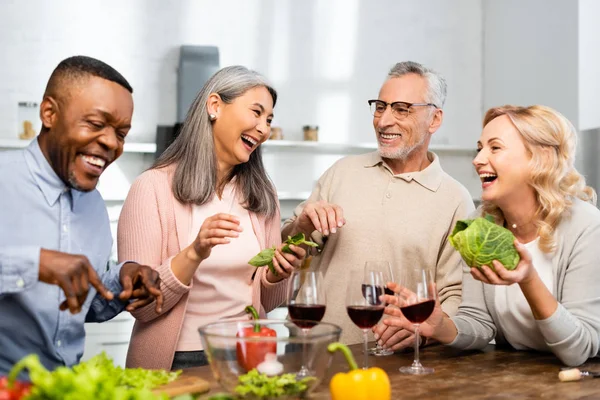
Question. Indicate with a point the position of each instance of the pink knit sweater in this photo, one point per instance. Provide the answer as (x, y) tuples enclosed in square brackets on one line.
[(153, 228)]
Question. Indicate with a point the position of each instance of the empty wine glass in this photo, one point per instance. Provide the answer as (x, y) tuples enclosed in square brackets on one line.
[(388, 276), (417, 301), (364, 303), (306, 305)]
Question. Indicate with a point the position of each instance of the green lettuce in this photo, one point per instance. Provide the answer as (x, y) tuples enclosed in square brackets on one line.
[(98, 378), (480, 241)]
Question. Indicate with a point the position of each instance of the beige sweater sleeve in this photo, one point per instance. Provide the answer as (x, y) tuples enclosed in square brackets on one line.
[(450, 264), (320, 192)]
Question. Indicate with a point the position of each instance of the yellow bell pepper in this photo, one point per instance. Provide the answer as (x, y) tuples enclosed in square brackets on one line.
[(358, 384)]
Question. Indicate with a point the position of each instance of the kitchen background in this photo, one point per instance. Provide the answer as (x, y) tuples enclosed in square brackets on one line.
[(326, 58)]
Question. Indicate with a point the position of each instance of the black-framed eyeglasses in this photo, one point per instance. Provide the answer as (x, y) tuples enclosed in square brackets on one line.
[(400, 109)]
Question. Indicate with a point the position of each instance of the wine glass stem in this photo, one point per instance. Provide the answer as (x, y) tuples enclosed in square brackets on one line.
[(366, 349), (304, 333), (417, 362)]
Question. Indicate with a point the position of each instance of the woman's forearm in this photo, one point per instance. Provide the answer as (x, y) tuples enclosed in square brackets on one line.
[(447, 332), (185, 264), (540, 299)]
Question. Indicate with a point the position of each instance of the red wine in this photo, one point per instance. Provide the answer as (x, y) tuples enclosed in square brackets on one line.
[(371, 294), (419, 312), (365, 317), (304, 315)]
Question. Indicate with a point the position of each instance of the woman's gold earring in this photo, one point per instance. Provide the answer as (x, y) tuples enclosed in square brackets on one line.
[(212, 117)]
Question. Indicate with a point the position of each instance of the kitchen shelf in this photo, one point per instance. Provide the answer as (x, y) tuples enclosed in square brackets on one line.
[(290, 196), (293, 195), (273, 145), (343, 148), (131, 147)]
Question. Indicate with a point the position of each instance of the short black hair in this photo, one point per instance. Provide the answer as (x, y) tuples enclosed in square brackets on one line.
[(79, 67)]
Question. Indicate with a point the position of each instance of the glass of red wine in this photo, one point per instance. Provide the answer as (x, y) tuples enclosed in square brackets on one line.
[(417, 301), (364, 303), (388, 276), (306, 305)]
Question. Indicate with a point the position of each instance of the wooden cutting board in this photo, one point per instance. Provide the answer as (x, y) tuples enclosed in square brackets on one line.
[(183, 385)]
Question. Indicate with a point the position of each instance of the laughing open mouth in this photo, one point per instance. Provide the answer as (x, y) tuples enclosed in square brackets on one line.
[(390, 136), (93, 160), (487, 177), (249, 140)]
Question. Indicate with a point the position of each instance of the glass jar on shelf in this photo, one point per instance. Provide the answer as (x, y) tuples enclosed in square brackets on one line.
[(28, 120), (311, 133)]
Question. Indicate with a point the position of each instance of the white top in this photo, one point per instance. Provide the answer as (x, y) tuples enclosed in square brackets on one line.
[(224, 279), (515, 316)]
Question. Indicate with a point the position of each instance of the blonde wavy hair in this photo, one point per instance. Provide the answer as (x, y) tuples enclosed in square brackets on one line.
[(551, 141)]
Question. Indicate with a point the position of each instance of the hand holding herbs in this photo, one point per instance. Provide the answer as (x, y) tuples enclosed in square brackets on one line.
[(321, 216), (98, 378), (265, 257)]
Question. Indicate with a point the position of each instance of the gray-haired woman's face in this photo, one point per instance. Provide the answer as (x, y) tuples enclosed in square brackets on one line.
[(241, 126)]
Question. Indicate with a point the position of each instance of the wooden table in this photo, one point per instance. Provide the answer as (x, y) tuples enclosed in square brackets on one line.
[(464, 375)]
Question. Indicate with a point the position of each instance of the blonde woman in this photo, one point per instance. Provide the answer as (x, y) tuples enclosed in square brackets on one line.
[(551, 301), (199, 214)]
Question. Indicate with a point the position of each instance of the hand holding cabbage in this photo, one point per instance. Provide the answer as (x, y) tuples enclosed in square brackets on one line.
[(480, 241)]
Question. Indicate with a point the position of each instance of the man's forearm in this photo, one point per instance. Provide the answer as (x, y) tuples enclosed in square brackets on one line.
[(289, 229)]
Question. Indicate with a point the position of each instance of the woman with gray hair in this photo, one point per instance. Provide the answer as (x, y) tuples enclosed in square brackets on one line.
[(199, 214)]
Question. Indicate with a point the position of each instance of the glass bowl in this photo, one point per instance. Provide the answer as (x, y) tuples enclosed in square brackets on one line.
[(233, 351)]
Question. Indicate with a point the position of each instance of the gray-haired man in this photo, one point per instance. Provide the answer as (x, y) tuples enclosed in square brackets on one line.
[(396, 204)]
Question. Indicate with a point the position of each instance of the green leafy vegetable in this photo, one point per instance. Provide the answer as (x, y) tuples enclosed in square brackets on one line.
[(480, 241), (221, 396), (297, 240), (97, 378), (257, 385), (265, 257)]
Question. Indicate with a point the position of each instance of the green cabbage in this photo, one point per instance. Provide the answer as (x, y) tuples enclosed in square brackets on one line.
[(480, 241)]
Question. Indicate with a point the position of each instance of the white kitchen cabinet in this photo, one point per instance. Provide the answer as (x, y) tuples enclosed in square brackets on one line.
[(111, 337)]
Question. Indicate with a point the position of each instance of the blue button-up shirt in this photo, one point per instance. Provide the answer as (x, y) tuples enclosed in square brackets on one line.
[(38, 211)]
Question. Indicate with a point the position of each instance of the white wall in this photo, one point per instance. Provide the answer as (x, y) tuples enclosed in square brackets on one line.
[(530, 54), (325, 57), (589, 64)]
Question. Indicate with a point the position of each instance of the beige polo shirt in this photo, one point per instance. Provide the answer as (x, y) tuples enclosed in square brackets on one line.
[(405, 219)]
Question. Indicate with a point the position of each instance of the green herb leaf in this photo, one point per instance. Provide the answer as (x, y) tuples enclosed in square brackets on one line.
[(263, 258), (297, 240)]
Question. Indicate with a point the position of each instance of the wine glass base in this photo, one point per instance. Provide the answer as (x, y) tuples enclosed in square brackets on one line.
[(304, 373), (416, 370), (380, 352)]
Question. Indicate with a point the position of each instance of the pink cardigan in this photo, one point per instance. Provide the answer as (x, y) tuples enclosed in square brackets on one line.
[(153, 228)]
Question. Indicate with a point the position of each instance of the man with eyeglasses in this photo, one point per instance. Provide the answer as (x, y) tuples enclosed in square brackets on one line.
[(395, 204)]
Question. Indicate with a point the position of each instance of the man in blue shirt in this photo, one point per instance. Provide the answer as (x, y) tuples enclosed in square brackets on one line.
[(55, 238)]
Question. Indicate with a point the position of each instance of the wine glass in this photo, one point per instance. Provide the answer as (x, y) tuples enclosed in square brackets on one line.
[(364, 303), (306, 305), (417, 301), (388, 276)]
